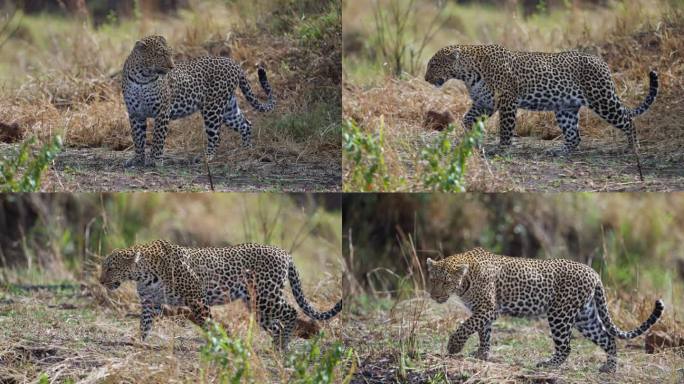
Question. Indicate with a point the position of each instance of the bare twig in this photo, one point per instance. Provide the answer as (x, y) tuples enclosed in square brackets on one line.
[(636, 152), (211, 180)]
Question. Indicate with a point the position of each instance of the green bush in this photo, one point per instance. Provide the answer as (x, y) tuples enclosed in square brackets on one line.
[(314, 366), (365, 153), (22, 171), (445, 163), (321, 121), (320, 28), (230, 356)]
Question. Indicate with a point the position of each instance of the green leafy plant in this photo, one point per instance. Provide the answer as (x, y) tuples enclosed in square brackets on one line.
[(365, 152), (445, 162), (320, 28), (313, 365), (229, 355), (229, 359), (22, 172)]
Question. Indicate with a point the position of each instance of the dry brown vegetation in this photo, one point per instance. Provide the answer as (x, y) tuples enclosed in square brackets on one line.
[(632, 38), (60, 75), (633, 240), (57, 321)]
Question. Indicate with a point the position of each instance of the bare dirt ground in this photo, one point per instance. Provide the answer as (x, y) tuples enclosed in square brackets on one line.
[(260, 169), (405, 342)]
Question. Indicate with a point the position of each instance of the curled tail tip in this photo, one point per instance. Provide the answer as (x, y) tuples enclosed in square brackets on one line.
[(659, 307), (653, 77), (261, 71)]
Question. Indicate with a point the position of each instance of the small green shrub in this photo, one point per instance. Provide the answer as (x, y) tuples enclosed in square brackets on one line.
[(229, 359), (320, 28), (321, 120), (445, 163), (22, 171), (365, 153), (230, 356), (316, 366)]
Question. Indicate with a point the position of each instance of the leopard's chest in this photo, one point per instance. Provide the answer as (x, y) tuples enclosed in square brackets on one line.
[(152, 288), (143, 100)]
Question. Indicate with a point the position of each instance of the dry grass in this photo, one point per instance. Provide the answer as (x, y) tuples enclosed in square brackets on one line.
[(63, 78), (631, 41), (91, 336), (405, 340), (86, 333), (401, 336)]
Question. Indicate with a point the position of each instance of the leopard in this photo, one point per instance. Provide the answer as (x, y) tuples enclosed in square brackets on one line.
[(499, 79), (168, 274), (569, 293), (155, 86)]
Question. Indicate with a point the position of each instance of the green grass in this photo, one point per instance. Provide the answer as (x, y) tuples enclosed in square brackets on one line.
[(321, 119)]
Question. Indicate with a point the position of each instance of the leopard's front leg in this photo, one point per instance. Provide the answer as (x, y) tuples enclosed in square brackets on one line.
[(161, 128), (138, 130), (476, 111), (150, 310), (507, 107), (479, 322)]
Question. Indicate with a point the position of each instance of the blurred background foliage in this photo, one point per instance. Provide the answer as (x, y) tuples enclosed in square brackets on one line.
[(51, 237), (635, 240), (397, 37)]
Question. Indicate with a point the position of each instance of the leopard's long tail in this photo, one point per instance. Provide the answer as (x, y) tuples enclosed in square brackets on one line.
[(304, 304), (650, 98), (253, 101), (601, 307)]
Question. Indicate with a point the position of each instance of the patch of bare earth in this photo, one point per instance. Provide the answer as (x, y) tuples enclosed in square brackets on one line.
[(258, 169)]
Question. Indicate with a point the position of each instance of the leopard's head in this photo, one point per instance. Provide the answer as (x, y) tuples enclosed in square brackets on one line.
[(446, 277), (153, 56), (447, 63), (118, 267)]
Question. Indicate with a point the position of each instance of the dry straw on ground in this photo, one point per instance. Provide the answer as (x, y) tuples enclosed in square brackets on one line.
[(599, 165)]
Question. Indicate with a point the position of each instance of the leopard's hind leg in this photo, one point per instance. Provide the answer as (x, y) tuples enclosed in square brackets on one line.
[(212, 125), (234, 118), (611, 109), (589, 324)]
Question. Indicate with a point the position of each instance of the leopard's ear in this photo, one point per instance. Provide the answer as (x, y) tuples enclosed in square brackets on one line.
[(140, 44), (462, 269), (430, 264), (456, 54), (136, 260)]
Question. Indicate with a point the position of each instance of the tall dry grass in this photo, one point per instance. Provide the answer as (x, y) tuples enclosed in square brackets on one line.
[(634, 38)]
